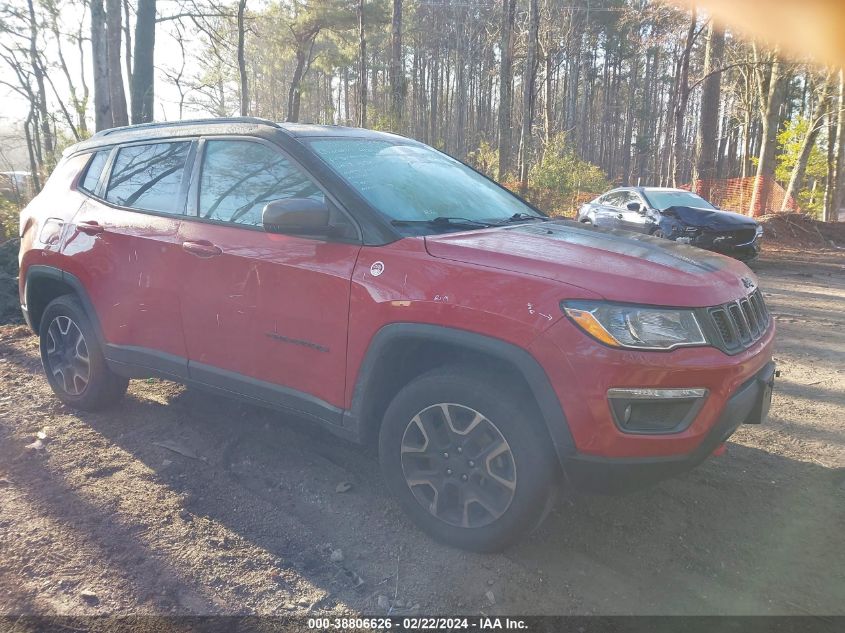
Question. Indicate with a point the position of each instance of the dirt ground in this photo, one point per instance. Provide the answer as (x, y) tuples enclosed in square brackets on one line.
[(181, 502)]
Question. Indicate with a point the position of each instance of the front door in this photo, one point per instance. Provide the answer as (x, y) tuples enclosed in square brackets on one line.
[(633, 220), (265, 314)]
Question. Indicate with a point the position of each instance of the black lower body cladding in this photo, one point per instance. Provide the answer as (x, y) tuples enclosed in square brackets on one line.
[(748, 405)]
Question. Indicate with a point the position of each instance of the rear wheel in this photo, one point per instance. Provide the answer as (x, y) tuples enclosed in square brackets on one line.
[(658, 233), (466, 459), (73, 359)]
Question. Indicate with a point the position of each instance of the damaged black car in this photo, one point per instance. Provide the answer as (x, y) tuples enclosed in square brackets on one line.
[(678, 215)]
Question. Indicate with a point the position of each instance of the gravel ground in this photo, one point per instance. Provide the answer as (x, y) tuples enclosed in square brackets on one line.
[(177, 502)]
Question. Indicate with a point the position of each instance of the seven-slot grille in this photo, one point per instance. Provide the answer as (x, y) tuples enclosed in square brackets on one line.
[(740, 323)]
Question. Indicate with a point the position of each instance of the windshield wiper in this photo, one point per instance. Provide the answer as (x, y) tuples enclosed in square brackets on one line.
[(445, 221), (522, 217)]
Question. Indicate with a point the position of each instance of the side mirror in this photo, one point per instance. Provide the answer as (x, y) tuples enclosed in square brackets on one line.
[(297, 216), (636, 206)]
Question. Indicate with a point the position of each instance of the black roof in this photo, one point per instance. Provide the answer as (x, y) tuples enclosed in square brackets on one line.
[(246, 126)]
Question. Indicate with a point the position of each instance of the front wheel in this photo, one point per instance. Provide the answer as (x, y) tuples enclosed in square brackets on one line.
[(73, 359), (466, 459)]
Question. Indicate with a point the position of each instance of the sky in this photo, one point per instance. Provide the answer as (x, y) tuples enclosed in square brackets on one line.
[(167, 55)]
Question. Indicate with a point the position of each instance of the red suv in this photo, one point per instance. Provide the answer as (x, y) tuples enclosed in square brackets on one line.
[(393, 295)]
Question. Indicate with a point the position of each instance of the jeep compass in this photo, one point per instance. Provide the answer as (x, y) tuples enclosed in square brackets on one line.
[(393, 295)]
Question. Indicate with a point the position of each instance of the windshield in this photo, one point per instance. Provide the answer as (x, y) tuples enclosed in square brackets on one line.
[(662, 200), (420, 188)]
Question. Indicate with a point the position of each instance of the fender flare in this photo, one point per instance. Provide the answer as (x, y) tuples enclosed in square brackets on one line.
[(535, 376), (36, 272)]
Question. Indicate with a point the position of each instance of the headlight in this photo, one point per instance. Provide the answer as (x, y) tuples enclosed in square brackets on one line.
[(759, 231), (635, 327)]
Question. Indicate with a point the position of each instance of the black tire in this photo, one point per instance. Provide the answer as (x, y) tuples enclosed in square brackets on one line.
[(529, 468), (67, 338), (659, 233)]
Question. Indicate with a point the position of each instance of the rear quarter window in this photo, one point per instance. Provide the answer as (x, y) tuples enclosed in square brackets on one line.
[(149, 177), (94, 171)]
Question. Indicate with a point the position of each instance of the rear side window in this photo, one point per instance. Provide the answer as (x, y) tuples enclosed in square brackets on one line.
[(149, 177), (240, 177), (614, 199), (94, 171)]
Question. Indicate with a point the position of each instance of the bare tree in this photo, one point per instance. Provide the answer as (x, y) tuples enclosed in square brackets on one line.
[(143, 78), (708, 129), (772, 89), (816, 123), (506, 46), (362, 67), (397, 73), (528, 92), (114, 32), (242, 59), (682, 98), (38, 74)]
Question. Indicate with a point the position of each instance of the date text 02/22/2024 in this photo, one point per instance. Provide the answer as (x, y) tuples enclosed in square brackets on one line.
[(418, 623)]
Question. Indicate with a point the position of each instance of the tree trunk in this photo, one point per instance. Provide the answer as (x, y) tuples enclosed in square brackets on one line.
[(528, 81), (460, 89), (295, 92), (37, 71), (346, 118), (628, 135), (682, 97), (102, 98), (796, 178), (548, 97), (143, 80), (114, 34), (127, 48), (362, 67), (829, 182), (32, 151), (244, 83), (397, 75), (773, 100), (304, 47), (708, 130), (506, 87), (839, 172)]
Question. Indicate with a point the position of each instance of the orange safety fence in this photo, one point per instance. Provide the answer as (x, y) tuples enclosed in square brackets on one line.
[(735, 194)]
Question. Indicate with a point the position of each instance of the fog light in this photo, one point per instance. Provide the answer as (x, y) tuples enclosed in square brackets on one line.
[(655, 410)]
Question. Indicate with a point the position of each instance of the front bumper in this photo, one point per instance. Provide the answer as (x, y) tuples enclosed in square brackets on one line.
[(748, 405), (726, 246)]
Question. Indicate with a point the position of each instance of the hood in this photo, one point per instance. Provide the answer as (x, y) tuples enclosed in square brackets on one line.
[(619, 266), (710, 219)]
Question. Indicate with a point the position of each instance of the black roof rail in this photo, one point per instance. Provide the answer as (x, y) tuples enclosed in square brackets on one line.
[(185, 122)]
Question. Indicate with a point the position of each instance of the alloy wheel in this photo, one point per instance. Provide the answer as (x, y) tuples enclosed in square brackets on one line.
[(67, 355), (458, 465)]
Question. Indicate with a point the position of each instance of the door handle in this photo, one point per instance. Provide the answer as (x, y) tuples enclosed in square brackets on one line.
[(90, 227), (202, 248)]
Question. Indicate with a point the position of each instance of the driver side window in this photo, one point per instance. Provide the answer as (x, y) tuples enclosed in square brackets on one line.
[(240, 177), (627, 196)]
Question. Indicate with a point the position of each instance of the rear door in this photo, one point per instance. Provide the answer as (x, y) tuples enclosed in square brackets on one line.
[(265, 314), (124, 247), (609, 213)]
